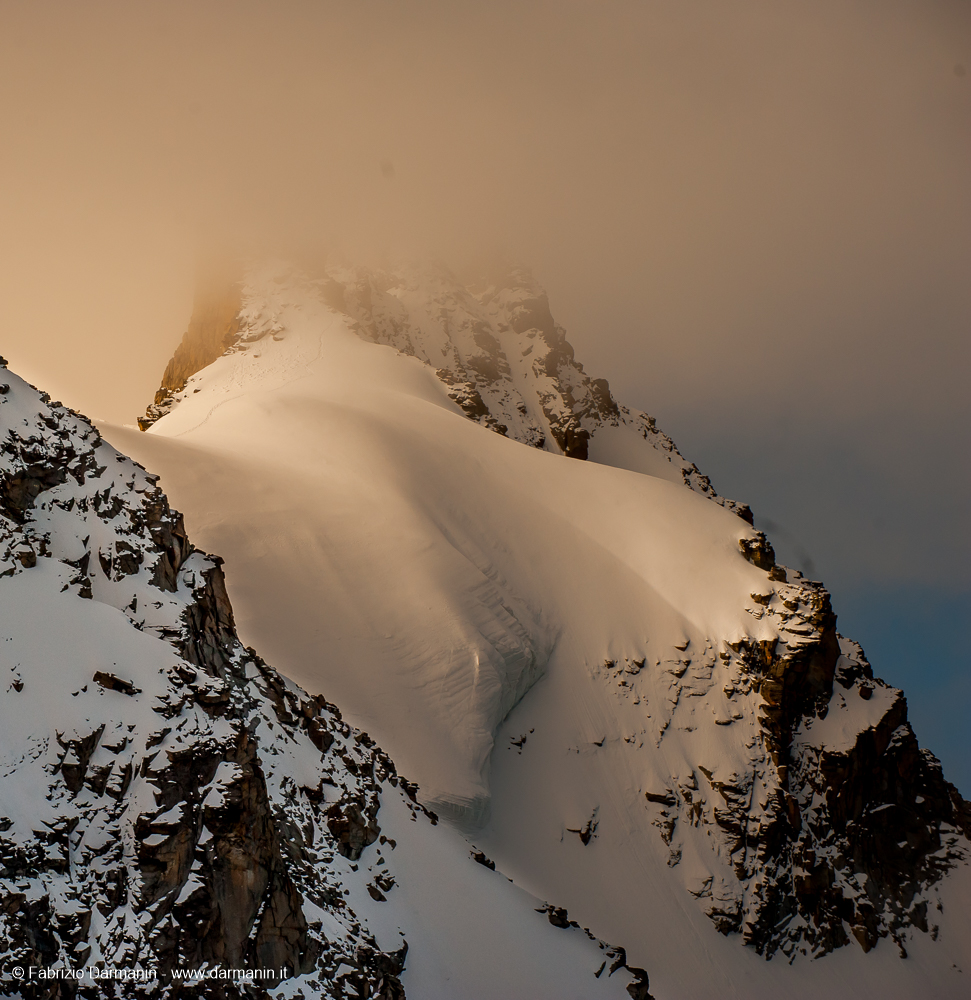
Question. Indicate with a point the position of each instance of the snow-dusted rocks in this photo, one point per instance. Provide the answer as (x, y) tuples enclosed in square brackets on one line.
[(602, 672), (140, 824), (169, 804)]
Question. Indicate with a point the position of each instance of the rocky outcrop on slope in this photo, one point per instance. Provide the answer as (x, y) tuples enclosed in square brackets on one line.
[(151, 817), (839, 826), (861, 826), (616, 958)]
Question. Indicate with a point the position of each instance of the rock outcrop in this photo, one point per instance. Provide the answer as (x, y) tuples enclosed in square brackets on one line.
[(834, 826), (847, 824)]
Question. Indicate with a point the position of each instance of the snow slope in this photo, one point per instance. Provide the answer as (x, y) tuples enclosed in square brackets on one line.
[(167, 801), (599, 674)]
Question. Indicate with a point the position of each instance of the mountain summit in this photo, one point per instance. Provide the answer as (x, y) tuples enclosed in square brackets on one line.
[(494, 345)]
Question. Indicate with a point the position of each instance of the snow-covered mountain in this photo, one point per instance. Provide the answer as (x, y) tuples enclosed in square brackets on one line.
[(594, 668), (495, 346), (170, 804)]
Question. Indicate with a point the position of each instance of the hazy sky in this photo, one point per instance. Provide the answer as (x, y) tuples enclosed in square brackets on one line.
[(754, 218)]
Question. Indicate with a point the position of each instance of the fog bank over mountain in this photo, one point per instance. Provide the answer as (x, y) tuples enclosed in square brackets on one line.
[(753, 219)]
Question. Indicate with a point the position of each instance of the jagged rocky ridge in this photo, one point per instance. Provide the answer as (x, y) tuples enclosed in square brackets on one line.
[(173, 831), (168, 800), (838, 826)]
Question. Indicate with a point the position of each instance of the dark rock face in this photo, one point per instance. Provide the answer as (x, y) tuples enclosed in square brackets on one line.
[(246, 911), (170, 837), (213, 329), (887, 824)]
